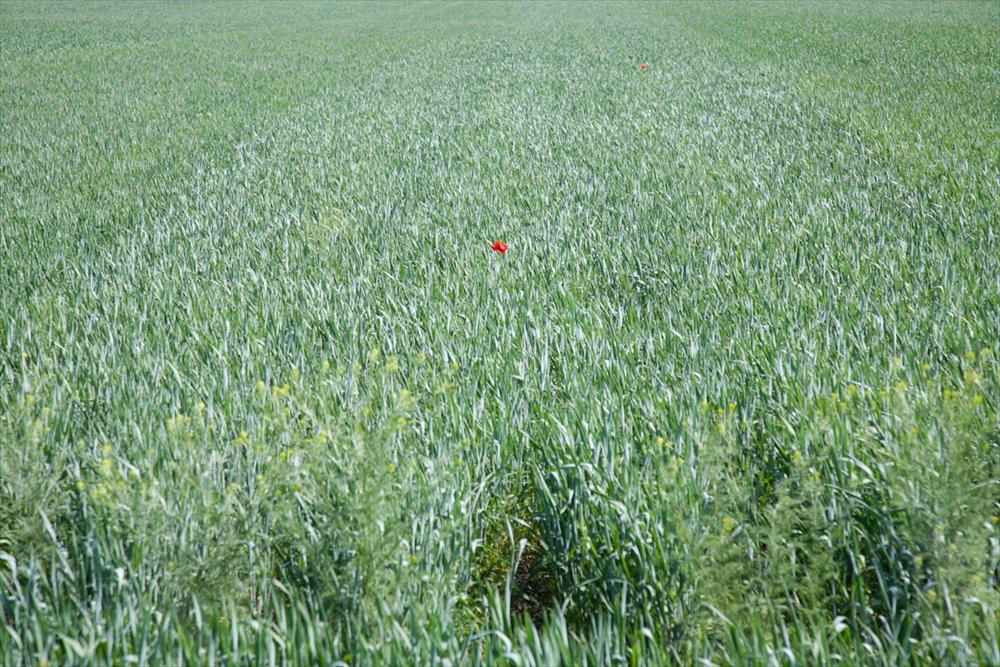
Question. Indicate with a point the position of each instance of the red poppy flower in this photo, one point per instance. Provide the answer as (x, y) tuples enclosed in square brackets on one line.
[(500, 247), (643, 66)]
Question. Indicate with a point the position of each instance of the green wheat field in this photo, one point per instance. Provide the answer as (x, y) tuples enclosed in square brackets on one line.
[(268, 397)]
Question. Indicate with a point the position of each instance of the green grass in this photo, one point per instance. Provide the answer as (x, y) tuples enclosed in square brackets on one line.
[(732, 396)]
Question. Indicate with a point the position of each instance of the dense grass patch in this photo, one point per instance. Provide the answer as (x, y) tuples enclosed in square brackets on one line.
[(732, 396)]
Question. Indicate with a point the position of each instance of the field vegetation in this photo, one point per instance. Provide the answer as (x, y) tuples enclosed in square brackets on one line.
[(731, 396)]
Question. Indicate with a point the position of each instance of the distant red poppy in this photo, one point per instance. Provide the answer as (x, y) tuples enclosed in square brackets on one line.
[(500, 247), (643, 66)]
